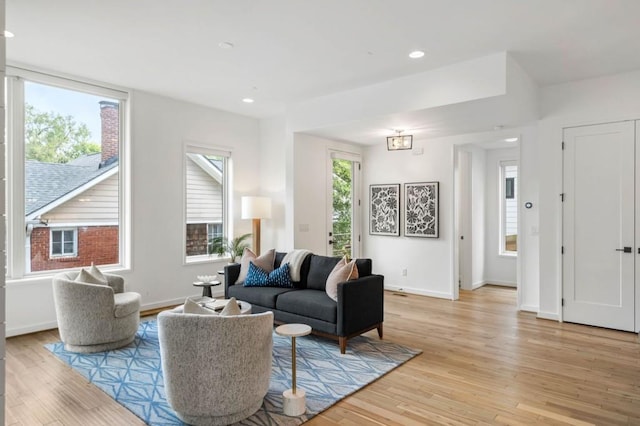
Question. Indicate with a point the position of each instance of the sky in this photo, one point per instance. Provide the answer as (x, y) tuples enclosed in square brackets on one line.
[(82, 106)]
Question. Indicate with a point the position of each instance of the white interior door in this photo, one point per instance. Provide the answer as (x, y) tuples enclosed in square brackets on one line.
[(598, 225)]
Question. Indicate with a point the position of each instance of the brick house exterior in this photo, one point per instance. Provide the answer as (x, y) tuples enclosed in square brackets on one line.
[(97, 244)]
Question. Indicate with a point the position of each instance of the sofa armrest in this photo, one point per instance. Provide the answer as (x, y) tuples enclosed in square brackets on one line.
[(231, 274), (116, 282), (360, 304)]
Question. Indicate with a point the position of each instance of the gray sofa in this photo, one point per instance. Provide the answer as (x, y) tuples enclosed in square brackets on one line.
[(359, 308)]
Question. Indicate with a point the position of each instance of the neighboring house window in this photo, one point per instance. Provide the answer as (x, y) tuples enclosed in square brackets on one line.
[(65, 145), (64, 242), (206, 204), (508, 208)]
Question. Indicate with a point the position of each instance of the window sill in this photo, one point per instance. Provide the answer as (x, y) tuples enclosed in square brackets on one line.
[(509, 255), (194, 260)]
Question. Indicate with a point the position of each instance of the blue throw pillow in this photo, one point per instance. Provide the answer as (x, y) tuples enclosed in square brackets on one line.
[(280, 277), (257, 277)]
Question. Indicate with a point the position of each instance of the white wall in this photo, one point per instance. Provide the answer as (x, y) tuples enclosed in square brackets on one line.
[(498, 269), (160, 127), (599, 100), (428, 261), (276, 163)]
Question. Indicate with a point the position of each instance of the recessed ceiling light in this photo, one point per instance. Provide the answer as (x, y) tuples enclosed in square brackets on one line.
[(225, 45), (8, 34), (416, 54), (247, 100), (511, 140)]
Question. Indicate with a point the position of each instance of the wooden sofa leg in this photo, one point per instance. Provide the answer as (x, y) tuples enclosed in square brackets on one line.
[(380, 330), (343, 344)]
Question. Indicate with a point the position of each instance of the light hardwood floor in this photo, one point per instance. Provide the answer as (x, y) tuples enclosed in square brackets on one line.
[(482, 363)]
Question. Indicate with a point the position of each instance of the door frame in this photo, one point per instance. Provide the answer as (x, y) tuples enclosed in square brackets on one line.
[(454, 289), (356, 200)]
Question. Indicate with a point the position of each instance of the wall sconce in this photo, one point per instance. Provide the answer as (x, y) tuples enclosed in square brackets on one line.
[(399, 142)]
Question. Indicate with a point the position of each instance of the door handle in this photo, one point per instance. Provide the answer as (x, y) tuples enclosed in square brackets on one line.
[(625, 250)]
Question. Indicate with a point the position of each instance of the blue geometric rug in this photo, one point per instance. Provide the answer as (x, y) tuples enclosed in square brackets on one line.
[(133, 375)]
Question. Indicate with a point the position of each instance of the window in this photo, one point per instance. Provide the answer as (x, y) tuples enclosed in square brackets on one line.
[(508, 208), (64, 242), (65, 145), (205, 200)]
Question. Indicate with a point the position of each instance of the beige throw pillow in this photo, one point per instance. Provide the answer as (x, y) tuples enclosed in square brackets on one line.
[(231, 308), (86, 277), (191, 307), (97, 274), (343, 271), (264, 262)]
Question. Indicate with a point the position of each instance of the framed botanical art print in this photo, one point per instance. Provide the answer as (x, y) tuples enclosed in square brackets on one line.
[(384, 210), (421, 209)]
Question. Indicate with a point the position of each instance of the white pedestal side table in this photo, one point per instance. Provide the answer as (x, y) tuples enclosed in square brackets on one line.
[(294, 403)]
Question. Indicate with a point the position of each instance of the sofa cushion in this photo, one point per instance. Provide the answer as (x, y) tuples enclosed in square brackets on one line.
[(309, 303), (126, 304), (261, 296), (343, 271), (319, 270)]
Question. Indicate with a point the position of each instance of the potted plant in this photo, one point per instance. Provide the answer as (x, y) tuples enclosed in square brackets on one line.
[(233, 247)]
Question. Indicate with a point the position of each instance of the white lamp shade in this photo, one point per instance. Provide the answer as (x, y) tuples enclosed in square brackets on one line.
[(256, 207)]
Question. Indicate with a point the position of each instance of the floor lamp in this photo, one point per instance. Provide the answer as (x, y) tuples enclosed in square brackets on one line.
[(256, 208)]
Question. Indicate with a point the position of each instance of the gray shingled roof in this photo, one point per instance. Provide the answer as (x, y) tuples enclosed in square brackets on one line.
[(47, 182)]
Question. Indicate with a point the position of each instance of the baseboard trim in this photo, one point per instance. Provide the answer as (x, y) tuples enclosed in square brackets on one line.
[(549, 315), (34, 328), (419, 292), (529, 308), (478, 284), (501, 283)]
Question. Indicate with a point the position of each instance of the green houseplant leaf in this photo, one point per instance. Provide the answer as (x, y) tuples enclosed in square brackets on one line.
[(233, 247)]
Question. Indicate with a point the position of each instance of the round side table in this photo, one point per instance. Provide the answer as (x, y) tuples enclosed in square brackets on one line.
[(294, 403), (206, 287)]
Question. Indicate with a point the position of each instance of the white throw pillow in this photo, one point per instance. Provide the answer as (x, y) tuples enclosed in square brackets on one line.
[(86, 277), (97, 274), (343, 271), (231, 308), (191, 307)]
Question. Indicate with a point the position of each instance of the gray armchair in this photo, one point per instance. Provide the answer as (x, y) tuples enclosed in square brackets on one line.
[(94, 317), (216, 368)]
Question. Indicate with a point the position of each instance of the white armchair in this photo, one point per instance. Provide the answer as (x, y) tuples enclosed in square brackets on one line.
[(95, 317), (216, 368)]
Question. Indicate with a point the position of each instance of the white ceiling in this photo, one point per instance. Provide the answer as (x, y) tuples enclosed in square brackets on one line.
[(290, 50)]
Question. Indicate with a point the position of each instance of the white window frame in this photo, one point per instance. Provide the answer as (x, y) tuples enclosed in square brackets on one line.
[(18, 264), (74, 253), (227, 221), (503, 205)]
